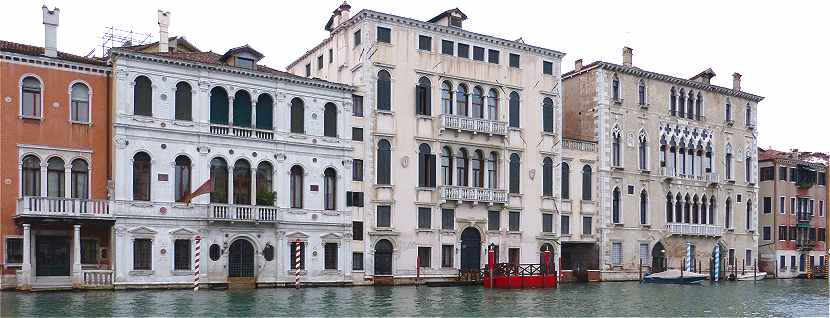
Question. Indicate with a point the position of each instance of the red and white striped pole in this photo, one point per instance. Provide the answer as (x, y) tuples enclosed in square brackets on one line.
[(297, 266), (196, 255)]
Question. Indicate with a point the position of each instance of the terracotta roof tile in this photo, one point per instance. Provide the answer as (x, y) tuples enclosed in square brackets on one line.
[(25, 49)]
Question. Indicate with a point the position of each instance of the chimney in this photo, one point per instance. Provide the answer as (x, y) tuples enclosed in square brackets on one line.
[(344, 11), (736, 81), (50, 23), (578, 65), (164, 24), (628, 53)]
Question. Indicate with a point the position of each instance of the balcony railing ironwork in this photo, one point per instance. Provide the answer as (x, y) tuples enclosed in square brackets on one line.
[(475, 125), (694, 229), (472, 194), (246, 213), (49, 206)]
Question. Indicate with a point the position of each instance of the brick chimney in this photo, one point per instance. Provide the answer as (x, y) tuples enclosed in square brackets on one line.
[(736, 81), (164, 24), (578, 65), (50, 24), (628, 54)]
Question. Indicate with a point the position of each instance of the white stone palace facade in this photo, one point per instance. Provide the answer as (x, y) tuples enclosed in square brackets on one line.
[(459, 137)]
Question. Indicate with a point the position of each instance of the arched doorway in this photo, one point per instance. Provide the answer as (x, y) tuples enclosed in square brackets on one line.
[(241, 259), (383, 257), (551, 261), (658, 258), (470, 250), (723, 269)]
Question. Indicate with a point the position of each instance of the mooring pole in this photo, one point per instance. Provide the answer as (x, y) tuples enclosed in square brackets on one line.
[(491, 257), (197, 241), (640, 270), (547, 267)]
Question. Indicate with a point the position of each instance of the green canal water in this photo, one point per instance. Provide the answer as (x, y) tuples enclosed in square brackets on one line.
[(765, 298)]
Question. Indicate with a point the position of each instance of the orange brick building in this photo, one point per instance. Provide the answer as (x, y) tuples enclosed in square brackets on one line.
[(55, 222)]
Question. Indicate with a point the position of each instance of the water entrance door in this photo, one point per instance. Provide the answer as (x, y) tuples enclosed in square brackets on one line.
[(241, 259), (383, 258), (52, 256), (470, 250)]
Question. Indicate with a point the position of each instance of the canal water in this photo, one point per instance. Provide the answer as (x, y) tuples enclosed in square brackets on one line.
[(766, 298)]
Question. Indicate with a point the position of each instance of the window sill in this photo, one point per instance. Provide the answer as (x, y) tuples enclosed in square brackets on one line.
[(383, 186), (181, 273), (515, 195), (448, 232), (644, 106), (567, 235), (429, 117), (618, 168), (85, 123), (514, 232), (645, 226), (430, 189), (548, 197), (142, 272), (644, 171), (549, 134), (424, 230), (383, 111), (519, 129), (30, 118), (183, 123), (618, 101), (619, 224), (18, 266), (493, 232), (143, 119), (293, 272)]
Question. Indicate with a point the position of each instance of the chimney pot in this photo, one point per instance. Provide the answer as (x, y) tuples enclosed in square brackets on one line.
[(736, 81), (578, 65), (164, 24), (628, 54), (344, 11), (51, 19)]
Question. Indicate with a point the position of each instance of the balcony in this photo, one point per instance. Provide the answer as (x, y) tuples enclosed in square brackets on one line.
[(694, 229), (805, 245), (62, 207), (242, 213), (243, 132), (459, 193), (97, 279), (579, 145), (474, 125), (803, 217)]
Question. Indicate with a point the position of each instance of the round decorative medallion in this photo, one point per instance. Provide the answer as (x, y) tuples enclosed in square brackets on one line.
[(163, 251), (314, 217), (253, 154), (8, 99), (314, 160), (163, 96), (7, 181), (163, 125), (405, 161), (163, 210), (230, 151), (56, 105), (163, 146), (314, 116)]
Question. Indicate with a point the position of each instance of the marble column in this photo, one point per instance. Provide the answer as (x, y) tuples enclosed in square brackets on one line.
[(77, 278), (24, 280)]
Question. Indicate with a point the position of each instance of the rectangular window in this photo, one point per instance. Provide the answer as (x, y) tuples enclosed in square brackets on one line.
[(357, 230), (425, 43), (792, 205), (384, 216), (731, 257), (447, 219), (357, 170), (478, 53), (767, 233), (331, 56), (547, 68), (547, 222), (793, 175), (586, 225), (181, 255), (294, 246), (357, 38), (792, 262), (782, 173), (513, 255), (424, 256), (320, 62), (464, 50), (820, 208), (89, 251), (447, 47), (357, 133), (565, 226), (644, 255), (424, 218), (822, 235), (812, 234), (244, 62), (308, 70), (142, 254), (330, 255), (767, 173), (748, 258), (513, 219), (357, 105), (782, 233), (493, 220), (822, 178), (384, 35), (493, 56), (782, 204), (357, 261), (514, 60), (616, 253), (791, 233), (767, 205), (14, 250), (782, 262), (447, 253)]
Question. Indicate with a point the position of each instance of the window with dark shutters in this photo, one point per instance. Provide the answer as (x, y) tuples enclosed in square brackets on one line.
[(219, 108), (384, 91), (357, 170), (357, 105), (423, 100), (547, 177), (384, 35), (547, 223), (297, 116), (493, 56), (265, 112), (357, 134), (384, 216), (547, 115), (514, 173), (424, 43), (184, 101), (330, 120), (357, 261), (447, 47), (547, 68), (424, 218), (514, 110), (357, 230), (142, 254), (586, 183), (478, 53), (384, 158), (447, 219), (141, 177), (565, 187), (463, 50), (142, 97), (330, 255), (514, 60), (181, 257), (242, 109), (493, 220), (426, 167)]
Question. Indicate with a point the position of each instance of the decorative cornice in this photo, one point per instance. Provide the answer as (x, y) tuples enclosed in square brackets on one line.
[(44, 61)]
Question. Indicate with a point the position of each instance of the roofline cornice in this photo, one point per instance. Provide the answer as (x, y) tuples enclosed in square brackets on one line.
[(662, 77), (55, 62)]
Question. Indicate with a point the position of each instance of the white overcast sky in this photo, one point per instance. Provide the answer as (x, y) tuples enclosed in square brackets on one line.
[(780, 47)]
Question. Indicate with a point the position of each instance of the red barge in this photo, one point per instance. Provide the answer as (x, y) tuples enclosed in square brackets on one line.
[(509, 276)]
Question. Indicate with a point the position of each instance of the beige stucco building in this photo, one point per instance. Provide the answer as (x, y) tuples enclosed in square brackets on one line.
[(456, 136), (674, 170)]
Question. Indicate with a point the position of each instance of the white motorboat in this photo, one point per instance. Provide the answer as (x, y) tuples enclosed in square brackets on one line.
[(752, 276)]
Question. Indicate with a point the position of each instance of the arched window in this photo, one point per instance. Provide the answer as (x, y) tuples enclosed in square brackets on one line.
[(446, 98), (242, 109), (265, 112), (297, 116), (446, 165), (219, 175), (673, 102), (493, 104), (297, 176), (682, 152), (384, 173), (31, 176), (643, 150), (728, 214), (712, 210), (547, 177), (699, 106), (586, 183), (615, 206), (615, 88), (219, 108), (515, 171), (616, 148), (141, 177), (681, 101), (423, 98), (463, 159), (80, 179), (547, 115), (330, 120), (690, 106), (695, 210), (678, 209), (669, 212), (748, 167), (728, 109), (184, 101), (565, 187), (687, 209), (265, 184), (492, 170), (242, 182), (478, 169), (641, 92), (748, 216), (728, 162), (330, 189), (143, 96), (426, 166), (79, 106), (31, 97), (461, 100), (182, 178), (703, 210), (514, 110), (384, 93), (748, 118), (55, 177), (478, 102)]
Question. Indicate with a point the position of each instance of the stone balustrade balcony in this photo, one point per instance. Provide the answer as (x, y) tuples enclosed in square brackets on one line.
[(242, 213), (694, 229), (473, 194), (474, 125), (63, 207), (243, 132)]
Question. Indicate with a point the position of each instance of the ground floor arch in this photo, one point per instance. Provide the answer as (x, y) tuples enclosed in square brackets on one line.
[(470, 249), (383, 257), (241, 261), (658, 258)]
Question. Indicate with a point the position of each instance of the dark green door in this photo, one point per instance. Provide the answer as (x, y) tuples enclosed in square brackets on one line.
[(52, 256)]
